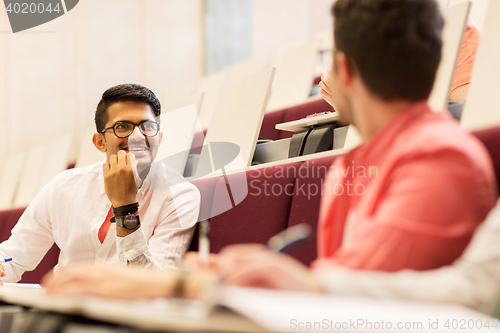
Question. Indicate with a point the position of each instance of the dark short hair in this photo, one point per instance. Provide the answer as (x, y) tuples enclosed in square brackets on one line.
[(124, 93), (394, 45)]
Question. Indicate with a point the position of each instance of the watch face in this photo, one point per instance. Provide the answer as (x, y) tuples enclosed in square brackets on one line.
[(130, 221)]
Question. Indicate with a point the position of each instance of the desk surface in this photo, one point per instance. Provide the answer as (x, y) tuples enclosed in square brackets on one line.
[(277, 311), (157, 315), (305, 123)]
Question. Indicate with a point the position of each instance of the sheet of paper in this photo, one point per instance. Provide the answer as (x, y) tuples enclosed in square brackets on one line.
[(300, 311), (21, 285)]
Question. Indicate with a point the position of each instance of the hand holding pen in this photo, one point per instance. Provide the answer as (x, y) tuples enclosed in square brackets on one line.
[(284, 242), (2, 269), (261, 266), (254, 265)]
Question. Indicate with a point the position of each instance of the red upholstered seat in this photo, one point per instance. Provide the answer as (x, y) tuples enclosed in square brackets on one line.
[(302, 111), (268, 129), (262, 214), (206, 186), (297, 112), (46, 265), (8, 220), (491, 139), (197, 143), (305, 203)]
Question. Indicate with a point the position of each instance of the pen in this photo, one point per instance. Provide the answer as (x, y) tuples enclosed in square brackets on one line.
[(5, 260), (283, 241), (290, 238), (204, 243)]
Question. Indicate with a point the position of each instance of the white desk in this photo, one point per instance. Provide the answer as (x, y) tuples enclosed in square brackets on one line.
[(178, 127), (305, 123), (269, 311), (237, 120), (294, 75), (158, 315)]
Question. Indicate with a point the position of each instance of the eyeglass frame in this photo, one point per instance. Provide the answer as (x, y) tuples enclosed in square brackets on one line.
[(133, 129)]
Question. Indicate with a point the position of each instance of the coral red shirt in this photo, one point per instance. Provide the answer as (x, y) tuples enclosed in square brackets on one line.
[(414, 195), (467, 56)]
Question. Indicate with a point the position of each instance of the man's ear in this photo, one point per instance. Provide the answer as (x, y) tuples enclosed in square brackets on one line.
[(344, 70), (160, 137), (99, 143)]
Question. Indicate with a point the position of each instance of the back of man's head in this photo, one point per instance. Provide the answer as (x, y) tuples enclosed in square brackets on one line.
[(393, 45), (125, 93)]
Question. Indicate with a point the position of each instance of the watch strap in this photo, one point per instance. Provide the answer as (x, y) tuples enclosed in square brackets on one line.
[(126, 209)]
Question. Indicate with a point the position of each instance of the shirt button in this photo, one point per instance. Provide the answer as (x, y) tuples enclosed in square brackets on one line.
[(101, 254), (94, 229), (125, 249)]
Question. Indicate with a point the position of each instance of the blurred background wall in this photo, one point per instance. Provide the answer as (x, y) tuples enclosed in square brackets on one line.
[(52, 76)]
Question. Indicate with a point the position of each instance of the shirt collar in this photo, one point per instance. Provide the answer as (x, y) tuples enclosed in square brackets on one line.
[(377, 146), (401, 121)]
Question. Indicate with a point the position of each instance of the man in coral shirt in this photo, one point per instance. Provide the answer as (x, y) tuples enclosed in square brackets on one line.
[(463, 71), (421, 185)]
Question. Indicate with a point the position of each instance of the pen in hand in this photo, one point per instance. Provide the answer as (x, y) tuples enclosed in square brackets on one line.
[(204, 244), (284, 242), (2, 271), (290, 238)]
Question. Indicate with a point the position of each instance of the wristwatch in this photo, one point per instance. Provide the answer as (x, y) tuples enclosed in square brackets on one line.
[(129, 221)]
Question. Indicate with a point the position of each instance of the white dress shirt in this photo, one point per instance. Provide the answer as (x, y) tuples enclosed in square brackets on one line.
[(472, 280), (71, 208)]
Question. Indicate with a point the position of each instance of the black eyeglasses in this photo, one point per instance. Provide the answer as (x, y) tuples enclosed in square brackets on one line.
[(123, 129)]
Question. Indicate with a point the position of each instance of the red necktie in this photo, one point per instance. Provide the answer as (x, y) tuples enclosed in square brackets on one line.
[(103, 230)]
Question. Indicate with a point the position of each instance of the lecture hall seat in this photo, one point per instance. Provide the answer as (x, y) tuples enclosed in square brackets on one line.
[(297, 112), (490, 138), (260, 215), (8, 219)]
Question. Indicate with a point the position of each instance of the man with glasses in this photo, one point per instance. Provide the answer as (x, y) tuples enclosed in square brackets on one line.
[(128, 210)]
